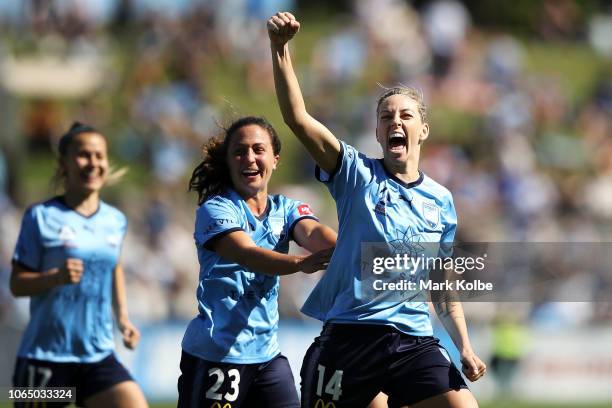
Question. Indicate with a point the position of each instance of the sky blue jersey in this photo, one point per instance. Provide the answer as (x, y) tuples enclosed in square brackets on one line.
[(70, 323), (238, 309), (376, 207)]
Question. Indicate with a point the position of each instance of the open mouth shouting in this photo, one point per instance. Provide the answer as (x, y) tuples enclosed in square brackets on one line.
[(396, 142)]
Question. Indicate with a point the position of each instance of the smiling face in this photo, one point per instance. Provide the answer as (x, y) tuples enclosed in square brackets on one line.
[(400, 129), (85, 163), (251, 160)]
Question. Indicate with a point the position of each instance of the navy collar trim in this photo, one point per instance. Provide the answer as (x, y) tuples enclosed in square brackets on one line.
[(400, 182), (62, 201)]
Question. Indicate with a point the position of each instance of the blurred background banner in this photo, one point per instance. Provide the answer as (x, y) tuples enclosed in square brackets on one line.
[(520, 108), (49, 77)]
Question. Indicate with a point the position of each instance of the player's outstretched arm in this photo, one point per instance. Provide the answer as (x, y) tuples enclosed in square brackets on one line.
[(240, 248), (450, 313), (318, 140), (313, 235), (25, 282)]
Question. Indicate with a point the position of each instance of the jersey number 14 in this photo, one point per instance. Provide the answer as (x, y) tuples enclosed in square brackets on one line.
[(334, 385)]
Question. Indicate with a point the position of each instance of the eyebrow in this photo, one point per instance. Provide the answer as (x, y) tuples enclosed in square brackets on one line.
[(257, 144), (401, 110)]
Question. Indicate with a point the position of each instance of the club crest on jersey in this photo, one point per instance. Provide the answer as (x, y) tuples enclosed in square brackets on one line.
[(66, 233), (431, 213), (276, 224)]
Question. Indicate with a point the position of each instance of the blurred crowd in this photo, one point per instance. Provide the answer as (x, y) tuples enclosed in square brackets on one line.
[(527, 155)]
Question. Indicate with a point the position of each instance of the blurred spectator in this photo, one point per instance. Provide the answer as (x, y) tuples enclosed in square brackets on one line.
[(504, 61), (600, 32), (445, 22), (3, 177), (558, 19), (340, 59), (394, 33), (510, 342), (40, 124)]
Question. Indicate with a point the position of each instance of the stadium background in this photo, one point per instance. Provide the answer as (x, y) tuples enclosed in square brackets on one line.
[(520, 97)]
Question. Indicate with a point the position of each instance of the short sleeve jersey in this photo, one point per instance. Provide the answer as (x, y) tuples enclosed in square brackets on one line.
[(376, 207), (238, 309), (73, 322)]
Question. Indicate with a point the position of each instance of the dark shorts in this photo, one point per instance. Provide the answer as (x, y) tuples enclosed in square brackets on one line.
[(207, 384), (88, 378), (348, 364)]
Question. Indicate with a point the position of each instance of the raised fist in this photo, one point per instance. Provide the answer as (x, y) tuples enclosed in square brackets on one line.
[(282, 27)]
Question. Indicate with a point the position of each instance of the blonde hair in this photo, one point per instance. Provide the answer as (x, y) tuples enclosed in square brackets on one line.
[(413, 93)]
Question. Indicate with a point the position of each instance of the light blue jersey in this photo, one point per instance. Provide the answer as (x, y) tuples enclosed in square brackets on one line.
[(376, 207), (71, 323), (238, 309)]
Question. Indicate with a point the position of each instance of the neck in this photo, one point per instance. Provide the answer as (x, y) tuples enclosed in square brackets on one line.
[(407, 171), (85, 203), (258, 203)]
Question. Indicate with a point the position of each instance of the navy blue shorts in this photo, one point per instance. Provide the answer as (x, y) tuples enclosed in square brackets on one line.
[(88, 378), (349, 364), (207, 384)]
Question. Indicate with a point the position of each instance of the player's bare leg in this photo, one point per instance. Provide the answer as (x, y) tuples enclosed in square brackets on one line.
[(126, 394), (380, 401), (452, 399)]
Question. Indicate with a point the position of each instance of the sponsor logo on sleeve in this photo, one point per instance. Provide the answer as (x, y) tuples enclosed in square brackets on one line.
[(305, 209)]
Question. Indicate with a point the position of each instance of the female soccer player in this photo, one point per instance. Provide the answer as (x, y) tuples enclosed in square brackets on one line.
[(66, 260), (369, 345), (231, 356)]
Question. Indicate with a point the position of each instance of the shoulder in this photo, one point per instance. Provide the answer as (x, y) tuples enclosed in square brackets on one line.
[(290, 205), (39, 209), (439, 194), (282, 201), (352, 162), (110, 210), (350, 152), (220, 200), (112, 213), (43, 216), (437, 190), (216, 204)]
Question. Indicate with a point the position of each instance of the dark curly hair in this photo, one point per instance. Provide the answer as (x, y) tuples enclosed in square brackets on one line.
[(211, 176)]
